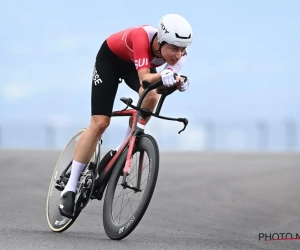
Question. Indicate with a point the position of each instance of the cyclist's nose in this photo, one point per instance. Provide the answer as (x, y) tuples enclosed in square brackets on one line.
[(178, 54)]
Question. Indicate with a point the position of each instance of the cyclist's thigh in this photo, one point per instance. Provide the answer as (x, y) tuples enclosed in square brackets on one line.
[(104, 83), (132, 78), (104, 88)]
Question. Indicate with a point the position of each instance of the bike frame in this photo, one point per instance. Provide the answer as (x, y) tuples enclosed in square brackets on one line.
[(139, 121), (137, 128)]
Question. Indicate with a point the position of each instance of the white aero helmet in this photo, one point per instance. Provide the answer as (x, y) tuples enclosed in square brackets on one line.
[(174, 29)]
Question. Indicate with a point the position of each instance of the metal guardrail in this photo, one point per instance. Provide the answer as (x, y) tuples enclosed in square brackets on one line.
[(205, 136)]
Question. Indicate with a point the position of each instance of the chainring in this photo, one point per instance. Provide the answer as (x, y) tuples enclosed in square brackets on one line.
[(84, 190)]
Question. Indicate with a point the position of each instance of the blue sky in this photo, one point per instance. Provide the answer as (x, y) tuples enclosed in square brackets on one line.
[(243, 64)]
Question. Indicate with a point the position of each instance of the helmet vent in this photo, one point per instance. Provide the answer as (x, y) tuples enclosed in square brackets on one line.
[(183, 37)]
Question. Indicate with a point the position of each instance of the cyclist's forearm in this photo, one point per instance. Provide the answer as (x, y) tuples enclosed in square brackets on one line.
[(150, 77)]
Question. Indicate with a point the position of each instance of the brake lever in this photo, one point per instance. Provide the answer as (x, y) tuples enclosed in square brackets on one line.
[(185, 122)]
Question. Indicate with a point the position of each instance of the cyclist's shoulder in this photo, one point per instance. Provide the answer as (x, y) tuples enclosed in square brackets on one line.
[(145, 29), (134, 32)]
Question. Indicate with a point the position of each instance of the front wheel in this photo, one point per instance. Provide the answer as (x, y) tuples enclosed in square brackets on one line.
[(124, 206)]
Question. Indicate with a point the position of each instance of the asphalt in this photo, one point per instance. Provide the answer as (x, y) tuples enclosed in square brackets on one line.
[(201, 201)]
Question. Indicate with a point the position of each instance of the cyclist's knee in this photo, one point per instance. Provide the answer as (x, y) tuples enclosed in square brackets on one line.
[(99, 123)]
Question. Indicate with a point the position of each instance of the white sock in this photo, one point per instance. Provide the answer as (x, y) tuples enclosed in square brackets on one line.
[(76, 170), (127, 134)]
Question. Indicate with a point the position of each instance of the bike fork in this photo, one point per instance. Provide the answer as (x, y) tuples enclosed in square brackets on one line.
[(128, 159), (140, 125)]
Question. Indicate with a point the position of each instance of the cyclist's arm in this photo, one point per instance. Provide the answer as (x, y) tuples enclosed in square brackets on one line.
[(145, 75), (141, 46)]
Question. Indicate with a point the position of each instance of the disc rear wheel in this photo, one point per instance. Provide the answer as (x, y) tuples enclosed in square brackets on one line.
[(56, 221)]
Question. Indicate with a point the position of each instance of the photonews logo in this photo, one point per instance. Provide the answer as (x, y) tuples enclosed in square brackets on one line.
[(278, 236)]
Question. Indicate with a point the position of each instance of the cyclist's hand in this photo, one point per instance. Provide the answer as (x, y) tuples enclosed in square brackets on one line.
[(168, 78), (182, 83)]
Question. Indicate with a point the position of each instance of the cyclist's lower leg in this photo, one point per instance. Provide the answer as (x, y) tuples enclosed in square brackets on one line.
[(84, 150)]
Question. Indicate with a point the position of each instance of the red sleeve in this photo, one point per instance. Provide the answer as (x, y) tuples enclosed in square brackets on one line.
[(141, 46)]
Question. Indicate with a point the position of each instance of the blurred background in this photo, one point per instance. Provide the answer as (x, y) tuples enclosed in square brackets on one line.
[(243, 67)]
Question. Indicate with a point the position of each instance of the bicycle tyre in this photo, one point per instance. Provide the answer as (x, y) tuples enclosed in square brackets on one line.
[(56, 221), (115, 231)]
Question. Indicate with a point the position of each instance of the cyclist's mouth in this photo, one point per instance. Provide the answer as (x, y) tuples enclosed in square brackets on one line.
[(174, 61)]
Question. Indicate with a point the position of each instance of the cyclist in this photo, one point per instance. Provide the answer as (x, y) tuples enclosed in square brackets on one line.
[(131, 55)]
